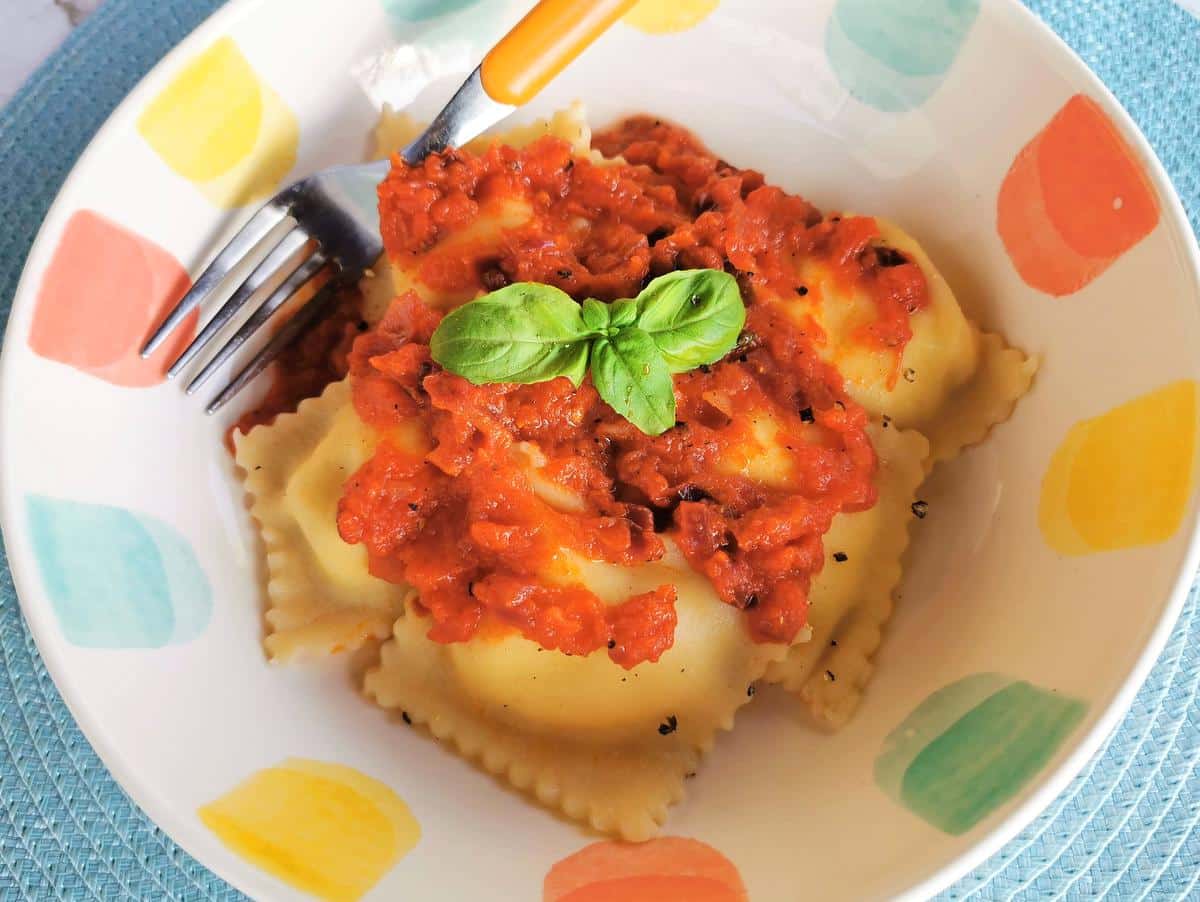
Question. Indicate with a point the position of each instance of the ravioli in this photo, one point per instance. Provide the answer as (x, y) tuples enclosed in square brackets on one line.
[(607, 745), (851, 598), (320, 597), (954, 384)]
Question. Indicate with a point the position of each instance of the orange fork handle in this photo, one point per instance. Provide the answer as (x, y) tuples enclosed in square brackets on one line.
[(551, 35)]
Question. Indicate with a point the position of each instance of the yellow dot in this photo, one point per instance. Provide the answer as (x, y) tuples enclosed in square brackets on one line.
[(1122, 479), (666, 16), (219, 126), (323, 828)]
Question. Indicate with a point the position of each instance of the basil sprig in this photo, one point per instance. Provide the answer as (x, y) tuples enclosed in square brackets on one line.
[(529, 332)]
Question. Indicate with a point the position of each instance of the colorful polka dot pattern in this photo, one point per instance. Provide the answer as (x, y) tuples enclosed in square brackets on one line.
[(218, 125), (325, 829), (1122, 479), (669, 16), (103, 292), (894, 54), (972, 746), (117, 579), (1075, 199), (667, 869)]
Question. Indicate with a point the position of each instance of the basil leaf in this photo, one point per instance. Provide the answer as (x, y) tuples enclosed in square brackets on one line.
[(624, 312), (693, 316), (524, 332), (595, 315), (632, 377)]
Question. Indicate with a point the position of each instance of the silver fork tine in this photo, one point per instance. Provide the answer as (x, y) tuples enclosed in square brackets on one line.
[(337, 208), (290, 286), (272, 264), (296, 323), (259, 228)]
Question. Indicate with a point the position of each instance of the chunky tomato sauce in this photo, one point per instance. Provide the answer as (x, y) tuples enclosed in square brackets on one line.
[(464, 521)]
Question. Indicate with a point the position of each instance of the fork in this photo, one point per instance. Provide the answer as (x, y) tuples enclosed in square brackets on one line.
[(327, 225)]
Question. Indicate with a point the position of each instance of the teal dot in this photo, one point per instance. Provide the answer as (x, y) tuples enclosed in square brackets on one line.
[(402, 11), (117, 579), (451, 28), (969, 748), (894, 54)]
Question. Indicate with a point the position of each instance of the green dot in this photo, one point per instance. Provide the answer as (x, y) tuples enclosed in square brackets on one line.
[(893, 54), (116, 579), (973, 746), (422, 10)]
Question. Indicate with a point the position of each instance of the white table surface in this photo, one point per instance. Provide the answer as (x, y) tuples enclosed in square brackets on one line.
[(30, 30)]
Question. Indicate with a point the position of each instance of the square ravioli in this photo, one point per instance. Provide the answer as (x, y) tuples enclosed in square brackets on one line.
[(578, 601)]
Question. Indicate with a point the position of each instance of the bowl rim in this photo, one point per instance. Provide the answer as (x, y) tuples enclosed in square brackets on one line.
[(1048, 785)]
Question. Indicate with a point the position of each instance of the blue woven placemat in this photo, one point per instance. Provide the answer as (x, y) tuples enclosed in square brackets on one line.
[(1126, 828)]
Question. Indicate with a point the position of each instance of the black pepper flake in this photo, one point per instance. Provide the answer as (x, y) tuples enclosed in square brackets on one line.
[(802, 290), (689, 775), (695, 300), (565, 273), (829, 676), (806, 415), (750, 690), (840, 405), (493, 278), (259, 467), (704, 368), (887, 421), (841, 557), (413, 506), (672, 724), (612, 643), (833, 642), (920, 509), (910, 375), (751, 601), (404, 716)]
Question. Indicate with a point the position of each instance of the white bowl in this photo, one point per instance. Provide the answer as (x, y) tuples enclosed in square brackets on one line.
[(1055, 558)]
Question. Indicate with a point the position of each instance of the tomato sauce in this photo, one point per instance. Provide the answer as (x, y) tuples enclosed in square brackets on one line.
[(466, 522)]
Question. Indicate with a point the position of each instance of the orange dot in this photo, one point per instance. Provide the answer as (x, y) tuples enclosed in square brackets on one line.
[(104, 291), (668, 869), (1075, 199)]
